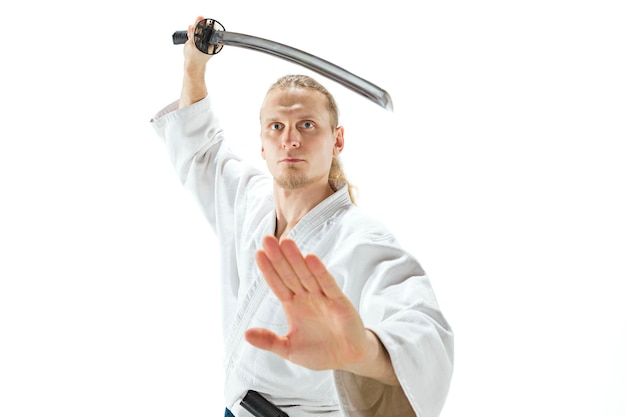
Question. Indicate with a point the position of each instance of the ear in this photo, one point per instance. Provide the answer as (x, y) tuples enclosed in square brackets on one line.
[(263, 152), (338, 141)]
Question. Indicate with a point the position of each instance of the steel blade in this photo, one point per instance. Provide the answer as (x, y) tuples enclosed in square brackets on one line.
[(312, 62)]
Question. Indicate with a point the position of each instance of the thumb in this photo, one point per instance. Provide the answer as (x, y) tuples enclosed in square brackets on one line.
[(267, 340)]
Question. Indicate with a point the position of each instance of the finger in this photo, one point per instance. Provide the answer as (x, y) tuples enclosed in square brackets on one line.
[(327, 284), (267, 340), (296, 260), (192, 28), (281, 265), (283, 293)]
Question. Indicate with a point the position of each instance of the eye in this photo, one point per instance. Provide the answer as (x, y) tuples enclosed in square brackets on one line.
[(308, 124), (276, 126)]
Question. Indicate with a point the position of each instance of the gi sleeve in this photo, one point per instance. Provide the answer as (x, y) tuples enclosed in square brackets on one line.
[(397, 303)]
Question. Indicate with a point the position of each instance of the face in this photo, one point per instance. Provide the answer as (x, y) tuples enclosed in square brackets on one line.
[(297, 139)]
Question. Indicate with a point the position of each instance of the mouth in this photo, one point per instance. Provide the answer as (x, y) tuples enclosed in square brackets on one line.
[(291, 160)]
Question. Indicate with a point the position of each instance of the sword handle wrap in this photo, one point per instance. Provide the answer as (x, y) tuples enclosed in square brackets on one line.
[(180, 37)]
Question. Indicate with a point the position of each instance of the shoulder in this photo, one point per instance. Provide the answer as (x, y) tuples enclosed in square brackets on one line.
[(356, 223)]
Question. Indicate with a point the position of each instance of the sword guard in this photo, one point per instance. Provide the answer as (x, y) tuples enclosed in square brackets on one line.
[(202, 35)]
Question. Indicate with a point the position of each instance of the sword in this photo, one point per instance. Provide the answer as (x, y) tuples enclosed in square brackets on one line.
[(210, 36)]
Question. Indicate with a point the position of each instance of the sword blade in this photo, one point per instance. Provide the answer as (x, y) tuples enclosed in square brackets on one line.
[(312, 62)]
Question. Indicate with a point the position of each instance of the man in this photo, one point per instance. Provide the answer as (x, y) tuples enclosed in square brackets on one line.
[(324, 313)]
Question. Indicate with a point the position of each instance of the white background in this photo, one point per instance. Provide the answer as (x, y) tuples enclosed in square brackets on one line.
[(502, 169)]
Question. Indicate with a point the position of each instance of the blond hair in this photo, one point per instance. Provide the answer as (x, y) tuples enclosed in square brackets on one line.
[(304, 81)]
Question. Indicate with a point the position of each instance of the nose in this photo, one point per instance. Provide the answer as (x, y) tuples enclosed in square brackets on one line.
[(291, 138)]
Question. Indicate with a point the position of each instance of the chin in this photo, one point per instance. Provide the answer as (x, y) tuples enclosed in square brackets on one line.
[(292, 182)]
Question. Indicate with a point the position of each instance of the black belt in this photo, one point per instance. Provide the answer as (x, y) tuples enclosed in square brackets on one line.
[(260, 407)]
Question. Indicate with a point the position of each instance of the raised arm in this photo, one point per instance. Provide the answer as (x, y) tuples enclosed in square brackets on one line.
[(194, 85)]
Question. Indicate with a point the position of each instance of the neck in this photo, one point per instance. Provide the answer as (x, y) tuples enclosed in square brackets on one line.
[(293, 205)]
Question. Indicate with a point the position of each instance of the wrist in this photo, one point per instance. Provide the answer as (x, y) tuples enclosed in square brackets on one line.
[(195, 70), (375, 362)]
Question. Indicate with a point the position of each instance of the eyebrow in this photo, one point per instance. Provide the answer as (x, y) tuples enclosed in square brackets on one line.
[(302, 117)]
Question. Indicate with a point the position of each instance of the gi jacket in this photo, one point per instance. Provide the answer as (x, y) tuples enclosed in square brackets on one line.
[(385, 283)]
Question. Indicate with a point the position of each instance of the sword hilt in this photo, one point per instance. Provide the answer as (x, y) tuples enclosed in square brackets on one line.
[(202, 36), (180, 37)]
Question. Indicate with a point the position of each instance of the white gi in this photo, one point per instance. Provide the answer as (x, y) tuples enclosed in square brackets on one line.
[(385, 283)]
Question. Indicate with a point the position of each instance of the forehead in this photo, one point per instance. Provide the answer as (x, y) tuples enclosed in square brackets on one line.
[(294, 102)]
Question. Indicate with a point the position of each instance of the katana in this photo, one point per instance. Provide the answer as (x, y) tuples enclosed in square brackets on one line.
[(210, 36)]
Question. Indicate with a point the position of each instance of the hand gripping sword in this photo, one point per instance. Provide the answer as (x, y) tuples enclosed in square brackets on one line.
[(210, 36)]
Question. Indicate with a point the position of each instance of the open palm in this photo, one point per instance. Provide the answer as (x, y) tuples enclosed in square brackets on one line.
[(325, 330)]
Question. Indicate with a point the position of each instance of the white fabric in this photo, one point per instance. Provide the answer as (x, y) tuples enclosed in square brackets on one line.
[(384, 282)]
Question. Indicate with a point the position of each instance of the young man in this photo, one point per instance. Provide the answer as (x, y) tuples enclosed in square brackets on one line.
[(324, 313)]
